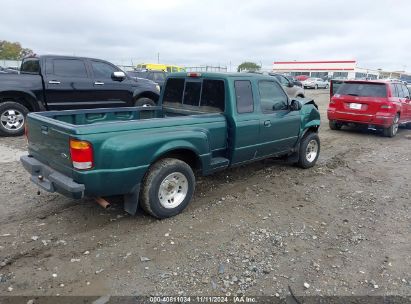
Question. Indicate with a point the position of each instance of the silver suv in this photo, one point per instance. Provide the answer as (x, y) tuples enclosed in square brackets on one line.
[(289, 86)]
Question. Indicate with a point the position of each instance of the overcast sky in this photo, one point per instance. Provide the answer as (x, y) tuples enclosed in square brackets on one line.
[(188, 32)]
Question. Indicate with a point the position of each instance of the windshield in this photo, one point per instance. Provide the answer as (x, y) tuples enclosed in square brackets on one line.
[(363, 89)]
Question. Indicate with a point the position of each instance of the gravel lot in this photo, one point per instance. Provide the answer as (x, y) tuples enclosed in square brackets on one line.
[(341, 228)]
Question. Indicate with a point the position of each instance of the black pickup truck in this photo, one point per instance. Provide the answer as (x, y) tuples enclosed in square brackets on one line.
[(62, 83)]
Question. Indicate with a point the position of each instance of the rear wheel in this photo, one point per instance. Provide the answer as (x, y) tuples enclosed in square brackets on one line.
[(309, 150), (167, 188), (144, 102), (393, 129), (335, 125), (12, 118)]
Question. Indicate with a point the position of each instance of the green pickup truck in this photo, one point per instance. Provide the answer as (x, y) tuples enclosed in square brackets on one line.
[(204, 123)]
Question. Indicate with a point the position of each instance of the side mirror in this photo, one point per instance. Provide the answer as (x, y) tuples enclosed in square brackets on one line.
[(295, 105), (290, 84), (118, 76)]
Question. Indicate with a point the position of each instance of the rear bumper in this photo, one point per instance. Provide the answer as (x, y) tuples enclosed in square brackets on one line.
[(382, 119), (50, 180)]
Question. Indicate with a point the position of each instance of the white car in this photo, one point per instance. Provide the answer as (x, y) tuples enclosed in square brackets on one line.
[(315, 83)]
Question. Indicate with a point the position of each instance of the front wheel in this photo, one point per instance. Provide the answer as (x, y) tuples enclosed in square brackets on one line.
[(168, 188), (144, 102), (12, 118), (309, 150), (393, 129)]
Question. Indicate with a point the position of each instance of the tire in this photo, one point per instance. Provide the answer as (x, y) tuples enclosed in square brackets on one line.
[(162, 202), (326, 86), (144, 102), (334, 125), (12, 118), (309, 150), (393, 129)]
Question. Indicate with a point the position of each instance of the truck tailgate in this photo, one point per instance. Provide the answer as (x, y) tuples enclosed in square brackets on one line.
[(49, 143)]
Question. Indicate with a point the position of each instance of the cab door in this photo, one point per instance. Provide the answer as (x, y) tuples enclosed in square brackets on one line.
[(244, 123), (68, 84), (109, 92), (279, 127)]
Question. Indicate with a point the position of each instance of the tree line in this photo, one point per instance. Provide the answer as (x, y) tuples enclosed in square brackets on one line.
[(13, 50)]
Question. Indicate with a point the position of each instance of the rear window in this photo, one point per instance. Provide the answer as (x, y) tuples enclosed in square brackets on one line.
[(244, 96), (335, 85), (363, 89), (195, 94), (30, 66)]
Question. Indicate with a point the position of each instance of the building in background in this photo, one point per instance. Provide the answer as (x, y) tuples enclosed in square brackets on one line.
[(336, 69)]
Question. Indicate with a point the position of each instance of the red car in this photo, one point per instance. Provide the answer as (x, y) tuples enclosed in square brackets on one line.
[(302, 77), (376, 104)]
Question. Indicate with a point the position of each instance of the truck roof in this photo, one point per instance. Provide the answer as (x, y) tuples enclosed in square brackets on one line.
[(221, 74), (60, 56)]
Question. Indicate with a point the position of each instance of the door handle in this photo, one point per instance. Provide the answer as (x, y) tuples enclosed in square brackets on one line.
[(54, 82), (267, 123), (99, 83)]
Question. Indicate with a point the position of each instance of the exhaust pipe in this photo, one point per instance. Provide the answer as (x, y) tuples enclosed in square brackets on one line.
[(103, 203)]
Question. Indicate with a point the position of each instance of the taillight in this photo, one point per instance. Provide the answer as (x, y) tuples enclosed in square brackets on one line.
[(81, 153)]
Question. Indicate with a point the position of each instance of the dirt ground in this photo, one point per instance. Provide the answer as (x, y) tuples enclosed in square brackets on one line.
[(341, 228)]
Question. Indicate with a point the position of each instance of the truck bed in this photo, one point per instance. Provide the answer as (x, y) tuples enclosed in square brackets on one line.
[(120, 130), (84, 121)]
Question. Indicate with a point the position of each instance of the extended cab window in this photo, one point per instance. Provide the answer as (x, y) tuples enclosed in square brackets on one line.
[(69, 68), (102, 70), (31, 66), (272, 97), (199, 95), (244, 96)]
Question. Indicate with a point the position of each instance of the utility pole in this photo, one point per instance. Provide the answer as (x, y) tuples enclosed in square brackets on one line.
[(158, 57)]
